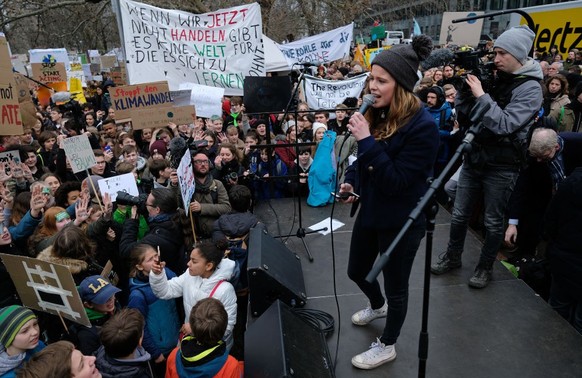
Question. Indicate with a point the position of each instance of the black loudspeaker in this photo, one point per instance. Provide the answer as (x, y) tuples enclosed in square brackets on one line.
[(281, 344), (274, 272)]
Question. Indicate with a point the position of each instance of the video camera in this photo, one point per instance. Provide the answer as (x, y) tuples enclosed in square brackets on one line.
[(126, 199), (471, 62)]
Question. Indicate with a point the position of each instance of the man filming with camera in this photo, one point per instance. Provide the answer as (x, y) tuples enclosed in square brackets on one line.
[(503, 121)]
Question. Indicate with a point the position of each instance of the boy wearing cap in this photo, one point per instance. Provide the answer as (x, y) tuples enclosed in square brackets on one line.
[(98, 296), (19, 338), (498, 151)]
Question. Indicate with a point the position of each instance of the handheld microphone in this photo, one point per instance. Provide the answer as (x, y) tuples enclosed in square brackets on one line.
[(367, 102)]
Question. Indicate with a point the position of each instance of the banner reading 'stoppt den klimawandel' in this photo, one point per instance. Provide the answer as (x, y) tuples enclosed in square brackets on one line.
[(216, 49), (325, 47)]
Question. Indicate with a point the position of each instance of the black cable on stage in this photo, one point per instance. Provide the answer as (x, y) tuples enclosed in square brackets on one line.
[(319, 319), (333, 263)]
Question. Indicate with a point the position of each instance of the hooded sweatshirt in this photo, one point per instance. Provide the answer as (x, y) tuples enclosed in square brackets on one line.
[(136, 367), (195, 288)]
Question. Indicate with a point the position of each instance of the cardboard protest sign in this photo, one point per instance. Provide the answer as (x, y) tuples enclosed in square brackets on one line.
[(267, 94), (217, 49), (95, 70), (159, 117), (118, 76), (326, 94), (108, 61), (124, 183), (52, 72), (5, 60), (462, 33), (27, 108), (129, 98), (47, 287), (186, 179), (208, 100), (10, 120), (79, 151), (324, 47)]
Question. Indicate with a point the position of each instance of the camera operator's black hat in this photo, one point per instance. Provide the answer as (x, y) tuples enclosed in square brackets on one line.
[(402, 61)]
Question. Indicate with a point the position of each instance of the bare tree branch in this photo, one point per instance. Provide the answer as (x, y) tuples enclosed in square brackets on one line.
[(39, 11)]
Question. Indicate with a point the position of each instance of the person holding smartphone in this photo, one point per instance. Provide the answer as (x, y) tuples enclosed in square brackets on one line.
[(397, 147)]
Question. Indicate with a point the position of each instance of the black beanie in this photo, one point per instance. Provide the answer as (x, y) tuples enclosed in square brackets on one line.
[(402, 61)]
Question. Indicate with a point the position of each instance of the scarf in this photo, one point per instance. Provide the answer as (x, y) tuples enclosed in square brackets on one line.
[(557, 166), (8, 363)]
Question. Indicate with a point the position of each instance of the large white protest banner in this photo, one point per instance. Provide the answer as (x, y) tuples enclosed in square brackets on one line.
[(326, 94), (325, 47), (79, 151), (186, 179), (216, 49)]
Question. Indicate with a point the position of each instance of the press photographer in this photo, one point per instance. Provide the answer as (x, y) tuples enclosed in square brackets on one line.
[(505, 116)]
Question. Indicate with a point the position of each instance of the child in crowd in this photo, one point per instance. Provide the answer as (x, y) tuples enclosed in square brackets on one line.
[(98, 296), (162, 324), (204, 354), (235, 227), (251, 155), (121, 354), (268, 169), (59, 359), (19, 338), (232, 137), (302, 166), (207, 276)]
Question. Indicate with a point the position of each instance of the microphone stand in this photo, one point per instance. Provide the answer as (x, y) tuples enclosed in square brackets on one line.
[(301, 232), (429, 206)]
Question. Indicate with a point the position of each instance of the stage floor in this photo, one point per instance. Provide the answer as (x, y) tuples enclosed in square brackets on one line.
[(505, 330)]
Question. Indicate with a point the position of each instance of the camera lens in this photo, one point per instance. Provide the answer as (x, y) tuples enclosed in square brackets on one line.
[(233, 175)]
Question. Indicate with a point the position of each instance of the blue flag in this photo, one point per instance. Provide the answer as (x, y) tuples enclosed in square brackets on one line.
[(416, 30)]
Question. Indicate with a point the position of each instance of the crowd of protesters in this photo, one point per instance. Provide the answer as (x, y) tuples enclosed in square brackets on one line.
[(53, 214)]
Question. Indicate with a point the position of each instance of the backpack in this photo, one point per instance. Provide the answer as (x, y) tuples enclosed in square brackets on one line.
[(238, 252)]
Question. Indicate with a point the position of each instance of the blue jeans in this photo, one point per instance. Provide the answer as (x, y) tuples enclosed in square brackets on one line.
[(365, 247), (496, 185)]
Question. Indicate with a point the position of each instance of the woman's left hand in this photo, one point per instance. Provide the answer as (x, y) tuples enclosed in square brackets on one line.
[(359, 126)]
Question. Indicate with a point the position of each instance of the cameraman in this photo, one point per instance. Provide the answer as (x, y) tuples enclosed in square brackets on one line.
[(498, 150)]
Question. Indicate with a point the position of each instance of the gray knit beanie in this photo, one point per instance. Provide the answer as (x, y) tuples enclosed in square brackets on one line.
[(402, 61), (517, 41)]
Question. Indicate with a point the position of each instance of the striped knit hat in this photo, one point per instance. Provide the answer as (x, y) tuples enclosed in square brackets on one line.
[(13, 318)]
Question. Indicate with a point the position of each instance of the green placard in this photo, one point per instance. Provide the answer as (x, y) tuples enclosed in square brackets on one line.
[(378, 32)]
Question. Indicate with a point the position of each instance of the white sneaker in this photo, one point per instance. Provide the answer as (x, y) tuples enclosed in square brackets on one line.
[(377, 355), (366, 315)]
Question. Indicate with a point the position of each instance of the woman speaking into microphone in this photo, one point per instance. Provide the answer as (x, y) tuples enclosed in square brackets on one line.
[(397, 146)]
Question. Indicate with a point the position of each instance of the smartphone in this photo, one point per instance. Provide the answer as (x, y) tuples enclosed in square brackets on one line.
[(344, 195), (107, 148)]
